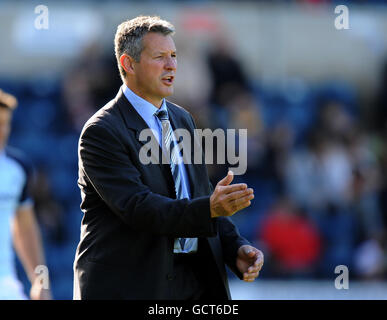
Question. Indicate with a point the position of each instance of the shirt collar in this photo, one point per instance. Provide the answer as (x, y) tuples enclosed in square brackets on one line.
[(143, 107)]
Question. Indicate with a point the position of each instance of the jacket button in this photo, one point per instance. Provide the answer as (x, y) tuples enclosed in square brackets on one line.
[(170, 276)]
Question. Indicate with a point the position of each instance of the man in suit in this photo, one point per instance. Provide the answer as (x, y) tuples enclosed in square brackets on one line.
[(157, 230)]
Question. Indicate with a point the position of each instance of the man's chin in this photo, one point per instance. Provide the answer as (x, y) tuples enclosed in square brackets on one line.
[(168, 93)]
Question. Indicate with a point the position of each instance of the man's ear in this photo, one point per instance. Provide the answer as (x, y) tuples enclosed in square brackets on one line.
[(127, 63)]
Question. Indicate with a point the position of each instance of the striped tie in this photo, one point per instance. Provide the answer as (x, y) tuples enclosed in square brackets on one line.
[(167, 146)]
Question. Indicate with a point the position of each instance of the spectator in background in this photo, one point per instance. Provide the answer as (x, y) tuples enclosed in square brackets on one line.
[(319, 178), (48, 211), (370, 255), (279, 142), (193, 77), (334, 121), (85, 87), (320, 174), (379, 126), (366, 185), (370, 260), (17, 219), (337, 179), (230, 100), (228, 79), (380, 118), (245, 114), (292, 242)]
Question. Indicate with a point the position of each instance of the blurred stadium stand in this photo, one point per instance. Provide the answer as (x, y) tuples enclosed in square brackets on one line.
[(312, 98)]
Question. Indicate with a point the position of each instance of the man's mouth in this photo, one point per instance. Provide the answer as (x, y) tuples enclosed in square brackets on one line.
[(168, 80)]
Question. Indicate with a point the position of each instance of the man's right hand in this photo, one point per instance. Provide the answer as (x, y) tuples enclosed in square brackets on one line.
[(228, 199)]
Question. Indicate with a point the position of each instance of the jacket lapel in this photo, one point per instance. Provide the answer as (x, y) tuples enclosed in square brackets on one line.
[(134, 122), (132, 119)]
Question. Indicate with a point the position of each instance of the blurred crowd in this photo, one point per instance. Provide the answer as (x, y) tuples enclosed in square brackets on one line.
[(317, 160)]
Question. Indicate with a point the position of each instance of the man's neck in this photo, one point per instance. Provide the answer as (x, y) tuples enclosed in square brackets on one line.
[(134, 89)]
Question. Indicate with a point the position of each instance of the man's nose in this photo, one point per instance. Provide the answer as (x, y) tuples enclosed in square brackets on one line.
[(171, 63)]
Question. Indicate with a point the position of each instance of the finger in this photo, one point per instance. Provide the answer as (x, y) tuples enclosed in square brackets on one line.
[(252, 278), (234, 188), (242, 203), (252, 275), (249, 278), (239, 194), (242, 206), (260, 258), (238, 207), (258, 263), (253, 270), (227, 179), (253, 254)]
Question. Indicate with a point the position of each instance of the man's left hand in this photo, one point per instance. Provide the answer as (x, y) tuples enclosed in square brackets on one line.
[(249, 262)]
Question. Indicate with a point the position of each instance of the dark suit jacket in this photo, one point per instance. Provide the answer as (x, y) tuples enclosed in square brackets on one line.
[(131, 215)]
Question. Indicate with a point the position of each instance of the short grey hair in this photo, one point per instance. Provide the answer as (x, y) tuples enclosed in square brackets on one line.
[(129, 35)]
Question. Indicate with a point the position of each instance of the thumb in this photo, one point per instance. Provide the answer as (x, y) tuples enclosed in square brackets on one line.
[(249, 252), (227, 179)]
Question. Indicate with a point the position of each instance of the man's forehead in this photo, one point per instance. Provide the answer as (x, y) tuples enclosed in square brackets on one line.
[(158, 42)]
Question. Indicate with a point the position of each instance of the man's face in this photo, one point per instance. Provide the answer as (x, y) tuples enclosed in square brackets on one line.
[(155, 73), (5, 126)]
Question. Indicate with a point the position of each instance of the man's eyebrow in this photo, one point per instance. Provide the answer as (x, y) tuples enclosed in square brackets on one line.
[(165, 52)]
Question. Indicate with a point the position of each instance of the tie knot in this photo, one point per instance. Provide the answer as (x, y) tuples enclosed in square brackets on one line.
[(162, 115)]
